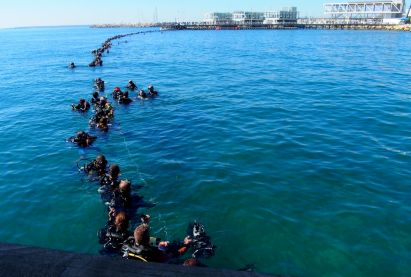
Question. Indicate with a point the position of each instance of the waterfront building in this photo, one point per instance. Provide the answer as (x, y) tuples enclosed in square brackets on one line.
[(248, 18), (218, 18), (382, 10), (286, 15)]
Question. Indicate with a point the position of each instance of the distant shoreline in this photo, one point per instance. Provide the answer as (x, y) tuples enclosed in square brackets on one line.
[(137, 25), (176, 26), (193, 26)]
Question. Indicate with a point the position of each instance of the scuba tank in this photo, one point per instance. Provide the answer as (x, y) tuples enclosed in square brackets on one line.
[(139, 252), (112, 241)]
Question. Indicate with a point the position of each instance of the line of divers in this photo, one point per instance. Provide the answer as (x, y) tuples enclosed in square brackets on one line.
[(105, 47), (122, 204)]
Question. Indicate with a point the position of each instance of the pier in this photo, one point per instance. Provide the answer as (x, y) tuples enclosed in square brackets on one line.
[(322, 26), (319, 24)]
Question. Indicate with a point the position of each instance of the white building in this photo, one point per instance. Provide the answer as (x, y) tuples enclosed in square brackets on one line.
[(286, 15), (248, 18), (366, 9), (218, 18)]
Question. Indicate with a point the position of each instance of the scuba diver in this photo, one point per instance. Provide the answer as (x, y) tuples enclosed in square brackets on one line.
[(151, 91), (121, 197), (103, 110), (124, 99), (172, 250), (83, 139), (96, 118), (146, 248), (99, 84), (105, 107), (82, 106), (142, 94), (72, 65), (117, 93), (95, 98), (103, 124), (97, 166), (109, 183), (115, 233), (131, 85), (200, 241), (111, 179), (138, 247), (97, 61)]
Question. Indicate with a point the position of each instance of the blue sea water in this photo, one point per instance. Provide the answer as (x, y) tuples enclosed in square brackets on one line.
[(293, 147)]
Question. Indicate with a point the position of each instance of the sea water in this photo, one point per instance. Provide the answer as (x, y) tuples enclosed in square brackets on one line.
[(292, 147)]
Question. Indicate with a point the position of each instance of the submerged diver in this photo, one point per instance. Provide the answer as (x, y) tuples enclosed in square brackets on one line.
[(103, 124), (83, 139), (116, 231), (200, 241), (95, 98), (139, 246), (109, 183), (131, 85), (124, 99), (105, 107), (121, 197), (82, 106), (117, 93), (151, 91), (111, 179), (153, 249), (142, 94), (97, 166), (97, 61), (99, 84)]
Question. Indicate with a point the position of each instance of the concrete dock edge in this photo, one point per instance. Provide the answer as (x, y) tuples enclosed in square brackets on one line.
[(19, 260)]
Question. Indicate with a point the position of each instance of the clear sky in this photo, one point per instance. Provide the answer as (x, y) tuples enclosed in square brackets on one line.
[(18, 13)]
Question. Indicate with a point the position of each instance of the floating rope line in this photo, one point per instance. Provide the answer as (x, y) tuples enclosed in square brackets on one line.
[(131, 158), (164, 227)]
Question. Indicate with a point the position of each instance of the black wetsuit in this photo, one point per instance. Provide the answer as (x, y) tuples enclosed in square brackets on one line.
[(80, 107), (131, 86), (124, 100), (107, 187), (95, 100), (82, 140), (117, 94), (98, 168), (112, 239), (153, 93), (142, 95), (121, 200)]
